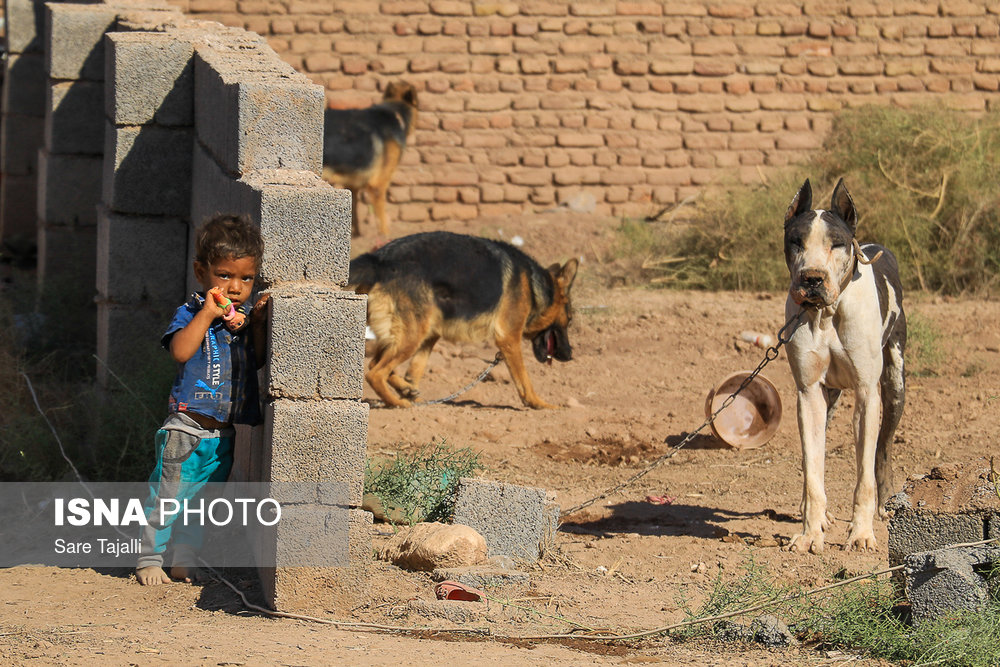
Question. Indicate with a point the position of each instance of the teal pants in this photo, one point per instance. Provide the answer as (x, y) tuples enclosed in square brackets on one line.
[(187, 458)]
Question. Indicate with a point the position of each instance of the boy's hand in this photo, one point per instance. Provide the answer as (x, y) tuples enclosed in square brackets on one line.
[(260, 306), (211, 304), (258, 322)]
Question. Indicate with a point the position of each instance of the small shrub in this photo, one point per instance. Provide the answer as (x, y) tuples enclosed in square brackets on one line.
[(924, 182), (421, 486)]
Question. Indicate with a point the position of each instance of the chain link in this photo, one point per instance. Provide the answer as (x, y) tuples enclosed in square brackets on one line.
[(784, 335), (482, 376)]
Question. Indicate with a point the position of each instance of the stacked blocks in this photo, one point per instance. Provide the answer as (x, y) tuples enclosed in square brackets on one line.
[(22, 128), (146, 122), (953, 505), (258, 130)]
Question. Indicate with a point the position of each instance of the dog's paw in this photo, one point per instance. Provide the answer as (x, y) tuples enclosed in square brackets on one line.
[(542, 405), (860, 540), (807, 543)]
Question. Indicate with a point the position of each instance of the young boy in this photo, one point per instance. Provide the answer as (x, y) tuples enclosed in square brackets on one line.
[(215, 387)]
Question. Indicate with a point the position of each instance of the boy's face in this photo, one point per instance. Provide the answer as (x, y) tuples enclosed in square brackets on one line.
[(234, 276)]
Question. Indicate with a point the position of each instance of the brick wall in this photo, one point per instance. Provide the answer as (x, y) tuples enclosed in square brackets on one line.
[(526, 104)]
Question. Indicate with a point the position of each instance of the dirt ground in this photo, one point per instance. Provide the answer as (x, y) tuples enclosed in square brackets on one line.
[(644, 361)]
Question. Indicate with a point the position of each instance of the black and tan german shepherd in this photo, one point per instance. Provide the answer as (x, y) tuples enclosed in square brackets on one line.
[(362, 148), (434, 285)]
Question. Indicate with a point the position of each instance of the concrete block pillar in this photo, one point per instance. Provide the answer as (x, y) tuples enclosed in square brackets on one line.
[(23, 121), (147, 138), (259, 128), (70, 159)]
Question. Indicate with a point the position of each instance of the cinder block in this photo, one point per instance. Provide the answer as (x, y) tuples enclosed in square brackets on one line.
[(516, 521), (306, 224), (317, 344), (317, 441), (259, 119), (322, 590), (483, 576), (947, 580), (913, 531), (69, 188), (74, 121), (69, 253), (75, 39), (140, 259), (24, 23), (153, 79), (147, 170), (24, 84), (20, 139), (213, 190), (18, 206), (128, 340)]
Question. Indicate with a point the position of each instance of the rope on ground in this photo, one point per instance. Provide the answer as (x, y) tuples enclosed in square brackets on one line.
[(593, 636), (784, 335)]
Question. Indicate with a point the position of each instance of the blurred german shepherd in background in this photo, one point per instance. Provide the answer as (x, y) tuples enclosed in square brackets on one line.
[(362, 148), (434, 285)]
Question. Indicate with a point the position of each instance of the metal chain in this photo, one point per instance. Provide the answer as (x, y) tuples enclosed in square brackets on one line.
[(784, 335), (482, 376)]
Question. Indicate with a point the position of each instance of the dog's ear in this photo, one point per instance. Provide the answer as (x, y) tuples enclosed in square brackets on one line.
[(801, 203), (410, 96), (842, 204), (565, 274)]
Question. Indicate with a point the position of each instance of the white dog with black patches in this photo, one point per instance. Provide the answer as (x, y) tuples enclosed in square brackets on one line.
[(852, 336)]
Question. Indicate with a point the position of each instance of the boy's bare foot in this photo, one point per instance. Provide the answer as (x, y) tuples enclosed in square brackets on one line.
[(151, 575)]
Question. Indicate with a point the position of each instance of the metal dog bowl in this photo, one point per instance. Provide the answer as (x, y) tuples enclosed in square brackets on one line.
[(754, 415)]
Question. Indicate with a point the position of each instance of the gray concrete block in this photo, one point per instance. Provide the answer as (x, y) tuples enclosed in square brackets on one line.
[(214, 191), (147, 170), (947, 580), (250, 120), (152, 76), (306, 226), (318, 441), (69, 188), (313, 535), (20, 139), (74, 121), (305, 221), (74, 35), (25, 20), (141, 259), (317, 344), (18, 206), (128, 340), (69, 254), (326, 589), (25, 84), (483, 576), (992, 526), (516, 521), (912, 531)]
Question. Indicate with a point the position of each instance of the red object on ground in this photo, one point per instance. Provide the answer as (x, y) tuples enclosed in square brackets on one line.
[(452, 590)]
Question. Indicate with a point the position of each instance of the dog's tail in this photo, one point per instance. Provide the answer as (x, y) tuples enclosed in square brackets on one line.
[(363, 273)]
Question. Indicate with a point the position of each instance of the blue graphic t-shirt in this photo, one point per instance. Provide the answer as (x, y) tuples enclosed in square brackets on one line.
[(220, 380)]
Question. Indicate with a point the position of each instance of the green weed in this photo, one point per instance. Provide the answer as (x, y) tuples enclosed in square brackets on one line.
[(863, 617), (420, 486)]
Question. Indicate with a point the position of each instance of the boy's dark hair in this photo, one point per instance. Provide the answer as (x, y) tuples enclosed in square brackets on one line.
[(228, 237)]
